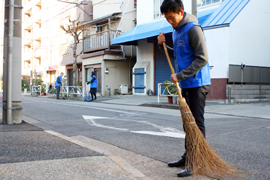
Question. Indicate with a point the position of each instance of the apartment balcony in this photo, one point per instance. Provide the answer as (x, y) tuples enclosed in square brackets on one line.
[(28, 26), (37, 3), (28, 42), (99, 41)]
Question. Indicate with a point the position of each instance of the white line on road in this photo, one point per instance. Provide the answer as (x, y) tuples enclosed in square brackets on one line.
[(165, 131), (90, 120)]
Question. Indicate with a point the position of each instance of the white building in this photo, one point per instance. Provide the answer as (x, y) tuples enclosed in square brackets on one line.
[(234, 36), (45, 46), (112, 64)]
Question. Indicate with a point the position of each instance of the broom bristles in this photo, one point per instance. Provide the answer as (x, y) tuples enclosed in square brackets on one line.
[(202, 159)]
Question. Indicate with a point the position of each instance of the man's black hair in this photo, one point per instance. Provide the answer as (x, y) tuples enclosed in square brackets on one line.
[(171, 5)]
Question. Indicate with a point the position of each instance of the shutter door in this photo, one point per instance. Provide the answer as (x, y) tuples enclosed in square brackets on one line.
[(162, 68)]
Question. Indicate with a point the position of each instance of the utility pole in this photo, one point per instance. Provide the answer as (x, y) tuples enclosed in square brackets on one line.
[(194, 7), (12, 102)]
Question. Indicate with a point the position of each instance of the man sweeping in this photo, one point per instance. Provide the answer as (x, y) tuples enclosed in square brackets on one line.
[(191, 64)]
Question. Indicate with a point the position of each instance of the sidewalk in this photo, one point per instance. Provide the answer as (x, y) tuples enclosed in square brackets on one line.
[(135, 100), (28, 152)]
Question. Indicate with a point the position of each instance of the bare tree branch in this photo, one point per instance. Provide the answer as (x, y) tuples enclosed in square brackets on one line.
[(64, 29), (80, 53), (79, 33)]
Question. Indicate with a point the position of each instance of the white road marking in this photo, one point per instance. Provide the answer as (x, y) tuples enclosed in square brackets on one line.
[(168, 134), (165, 131), (90, 120)]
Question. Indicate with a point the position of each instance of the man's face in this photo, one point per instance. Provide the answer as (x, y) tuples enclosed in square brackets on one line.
[(62, 74), (174, 18)]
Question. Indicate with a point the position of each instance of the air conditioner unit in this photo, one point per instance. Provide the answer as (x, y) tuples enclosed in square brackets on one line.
[(124, 88)]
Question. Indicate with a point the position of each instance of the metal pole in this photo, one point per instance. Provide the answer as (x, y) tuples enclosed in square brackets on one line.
[(229, 93), (10, 47), (194, 7)]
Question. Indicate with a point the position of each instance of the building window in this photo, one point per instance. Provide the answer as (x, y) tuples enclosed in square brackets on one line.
[(157, 4), (202, 3)]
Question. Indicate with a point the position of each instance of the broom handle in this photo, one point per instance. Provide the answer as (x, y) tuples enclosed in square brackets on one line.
[(170, 64)]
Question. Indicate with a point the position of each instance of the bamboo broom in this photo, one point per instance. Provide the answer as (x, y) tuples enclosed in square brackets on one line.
[(201, 159)]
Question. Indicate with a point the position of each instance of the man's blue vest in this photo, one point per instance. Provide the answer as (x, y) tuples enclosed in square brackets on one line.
[(60, 80), (184, 55), (94, 84)]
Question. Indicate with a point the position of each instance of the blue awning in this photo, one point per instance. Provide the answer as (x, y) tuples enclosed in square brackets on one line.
[(225, 14), (213, 18), (152, 29), (142, 32)]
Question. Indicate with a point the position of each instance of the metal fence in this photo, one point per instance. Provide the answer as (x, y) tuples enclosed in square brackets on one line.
[(71, 90), (249, 74), (36, 90), (165, 89)]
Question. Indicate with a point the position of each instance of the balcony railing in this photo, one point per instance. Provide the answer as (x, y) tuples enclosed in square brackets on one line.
[(98, 41)]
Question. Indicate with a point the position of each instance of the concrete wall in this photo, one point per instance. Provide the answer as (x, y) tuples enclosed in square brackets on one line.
[(119, 73), (145, 10), (249, 35), (106, 7), (242, 42), (247, 93), (218, 44)]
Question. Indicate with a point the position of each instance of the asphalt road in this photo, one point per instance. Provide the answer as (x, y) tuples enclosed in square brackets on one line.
[(156, 132)]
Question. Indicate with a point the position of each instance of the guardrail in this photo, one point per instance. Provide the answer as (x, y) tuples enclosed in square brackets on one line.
[(166, 91)]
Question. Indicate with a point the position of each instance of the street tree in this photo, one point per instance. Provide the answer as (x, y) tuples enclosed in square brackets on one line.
[(73, 29)]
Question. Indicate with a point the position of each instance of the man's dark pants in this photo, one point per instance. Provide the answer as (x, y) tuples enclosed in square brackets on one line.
[(57, 91), (195, 98)]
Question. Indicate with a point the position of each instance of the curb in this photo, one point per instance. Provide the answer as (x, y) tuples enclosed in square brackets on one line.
[(116, 159)]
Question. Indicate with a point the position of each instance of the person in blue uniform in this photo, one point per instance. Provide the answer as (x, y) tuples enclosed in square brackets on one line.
[(191, 64), (93, 88), (58, 84)]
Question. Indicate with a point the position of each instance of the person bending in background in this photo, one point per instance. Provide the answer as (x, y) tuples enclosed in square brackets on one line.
[(191, 63), (58, 84), (93, 88)]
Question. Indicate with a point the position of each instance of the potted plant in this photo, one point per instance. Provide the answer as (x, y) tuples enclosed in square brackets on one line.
[(43, 89)]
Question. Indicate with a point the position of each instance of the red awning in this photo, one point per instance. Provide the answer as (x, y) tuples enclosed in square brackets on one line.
[(52, 68)]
